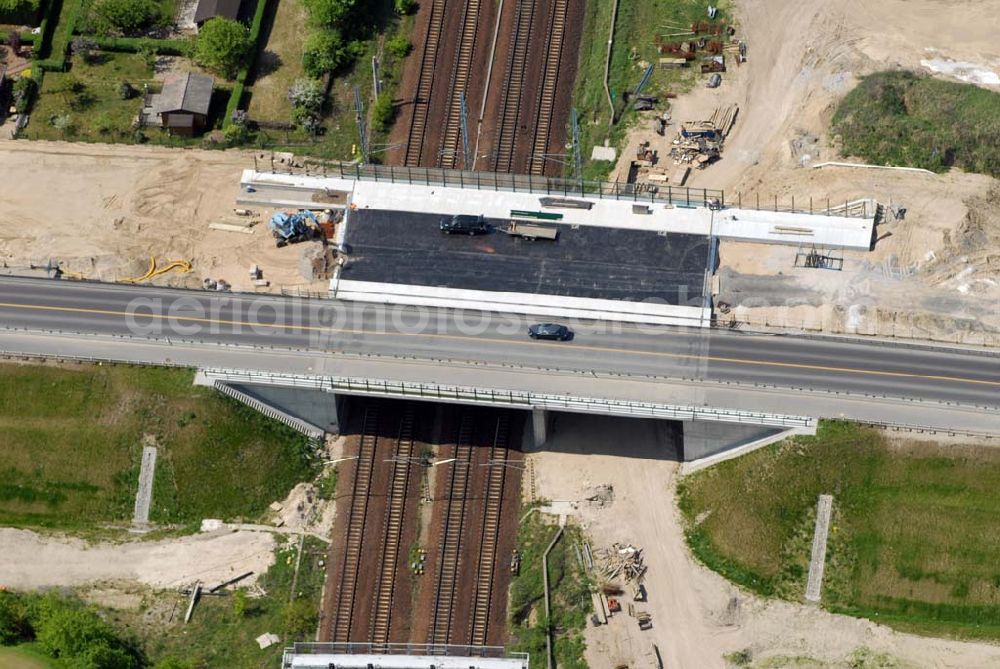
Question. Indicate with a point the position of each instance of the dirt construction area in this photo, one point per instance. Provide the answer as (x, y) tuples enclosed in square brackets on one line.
[(697, 616), (34, 561), (935, 273), (101, 211)]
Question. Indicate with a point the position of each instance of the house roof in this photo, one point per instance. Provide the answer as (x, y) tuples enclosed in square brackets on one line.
[(184, 92), (208, 9)]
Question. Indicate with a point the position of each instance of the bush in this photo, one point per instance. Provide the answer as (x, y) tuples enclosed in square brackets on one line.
[(223, 46), (68, 630), (84, 47), (123, 17), (901, 118), (306, 94), (14, 9), (126, 91), (24, 94), (329, 13), (14, 624), (383, 112), (399, 46), (405, 7), (324, 52), (300, 619)]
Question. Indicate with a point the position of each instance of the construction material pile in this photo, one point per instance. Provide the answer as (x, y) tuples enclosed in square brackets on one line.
[(699, 143), (622, 560)]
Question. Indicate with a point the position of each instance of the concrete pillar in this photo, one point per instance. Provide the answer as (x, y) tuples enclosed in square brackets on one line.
[(539, 426)]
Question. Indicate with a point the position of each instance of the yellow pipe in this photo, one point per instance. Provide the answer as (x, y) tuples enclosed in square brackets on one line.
[(182, 265)]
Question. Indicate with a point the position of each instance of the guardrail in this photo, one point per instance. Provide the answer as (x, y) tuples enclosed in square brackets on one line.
[(365, 648), (506, 398)]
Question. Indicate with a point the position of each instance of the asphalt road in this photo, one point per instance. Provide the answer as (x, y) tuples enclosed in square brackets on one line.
[(895, 371)]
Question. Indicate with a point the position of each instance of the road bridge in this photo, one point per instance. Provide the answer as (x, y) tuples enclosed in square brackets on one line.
[(699, 376)]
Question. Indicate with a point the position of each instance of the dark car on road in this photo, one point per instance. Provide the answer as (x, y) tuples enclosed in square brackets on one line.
[(550, 331), (464, 224)]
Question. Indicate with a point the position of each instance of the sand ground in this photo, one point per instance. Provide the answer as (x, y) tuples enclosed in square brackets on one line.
[(698, 616), (935, 274), (102, 210), (35, 561)]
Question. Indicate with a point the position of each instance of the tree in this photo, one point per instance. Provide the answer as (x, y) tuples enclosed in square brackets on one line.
[(405, 7), (223, 46), (14, 9), (112, 17), (399, 46), (329, 13), (324, 52)]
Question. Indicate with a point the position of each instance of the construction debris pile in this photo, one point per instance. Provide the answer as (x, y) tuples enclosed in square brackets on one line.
[(622, 563), (622, 560)]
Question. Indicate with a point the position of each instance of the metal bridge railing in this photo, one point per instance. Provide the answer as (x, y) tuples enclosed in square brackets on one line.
[(508, 398)]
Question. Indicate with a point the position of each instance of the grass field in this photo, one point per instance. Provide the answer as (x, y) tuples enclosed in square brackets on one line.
[(71, 441), (219, 637), (280, 64), (636, 28), (915, 534), (570, 595), (339, 139), (24, 657), (94, 111), (901, 118)]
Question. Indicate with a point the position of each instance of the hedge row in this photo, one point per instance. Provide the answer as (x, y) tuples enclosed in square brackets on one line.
[(239, 89), (26, 38), (56, 60), (50, 16), (163, 47)]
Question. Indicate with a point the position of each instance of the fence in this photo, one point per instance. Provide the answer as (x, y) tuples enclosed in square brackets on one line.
[(677, 196)]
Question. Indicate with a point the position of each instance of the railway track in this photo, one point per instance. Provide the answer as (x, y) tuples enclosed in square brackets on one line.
[(490, 532), (459, 83), (547, 96), (425, 84), (449, 552), (361, 490), (510, 102), (393, 532)]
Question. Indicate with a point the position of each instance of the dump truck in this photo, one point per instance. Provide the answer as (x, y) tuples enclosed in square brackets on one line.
[(531, 232)]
